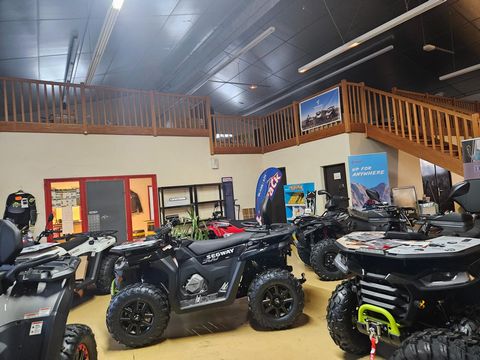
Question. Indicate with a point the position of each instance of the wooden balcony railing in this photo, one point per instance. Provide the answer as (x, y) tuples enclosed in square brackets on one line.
[(466, 106), (233, 134), (430, 127), (45, 106)]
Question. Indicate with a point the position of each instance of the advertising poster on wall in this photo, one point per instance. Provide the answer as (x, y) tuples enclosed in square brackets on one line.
[(368, 171), (267, 185), (297, 201), (320, 110), (471, 158)]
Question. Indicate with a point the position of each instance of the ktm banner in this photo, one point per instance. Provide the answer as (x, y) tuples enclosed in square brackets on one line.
[(266, 187)]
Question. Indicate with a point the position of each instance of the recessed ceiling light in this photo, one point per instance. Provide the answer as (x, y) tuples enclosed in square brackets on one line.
[(253, 87)]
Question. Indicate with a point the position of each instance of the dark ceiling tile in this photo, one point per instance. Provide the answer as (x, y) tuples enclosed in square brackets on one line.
[(145, 8), (18, 39), (188, 7), (269, 44), (282, 56), (232, 69), (59, 9), (55, 42), (18, 10), (21, 68), (53, 67)]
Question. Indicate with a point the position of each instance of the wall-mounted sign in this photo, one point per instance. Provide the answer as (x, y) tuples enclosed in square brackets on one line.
[(368, 171), (320, 110), (471, 158)]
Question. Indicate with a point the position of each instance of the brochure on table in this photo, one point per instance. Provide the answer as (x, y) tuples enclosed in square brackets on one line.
[(296, 201)]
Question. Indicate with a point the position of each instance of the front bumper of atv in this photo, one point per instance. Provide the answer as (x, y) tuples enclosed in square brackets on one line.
[(381, 322)]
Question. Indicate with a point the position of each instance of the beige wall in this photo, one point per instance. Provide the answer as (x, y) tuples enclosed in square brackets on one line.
[(27, 159)]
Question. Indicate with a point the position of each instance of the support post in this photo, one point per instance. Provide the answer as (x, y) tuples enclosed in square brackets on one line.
[(476, 125), (209, 125), (346, 107), (153, 112), (363, 100), (83, 98), (296, 122)]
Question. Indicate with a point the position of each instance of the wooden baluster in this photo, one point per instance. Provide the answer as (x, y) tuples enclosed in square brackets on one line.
[(346, 107), (60, 100), (22, 108), (402, 124), (415, 120), (14, 102), (92, 114), (408, 120), (39, 120), (432, 127), (387, 108), (45, 102), (440, 131), (449, 133), (83, 104), (104, 105), (5, 99), (277, 127), (458, 137), (382, 115), (424, 127), (134, 98), (376, 109), (75, 105), (370, 110), (475, 125), (30, 101), (69, 114), (395, 113), (465, 128), (54, 102)]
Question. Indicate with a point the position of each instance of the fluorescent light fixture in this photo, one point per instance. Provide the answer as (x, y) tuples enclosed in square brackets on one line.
[(323, 78), (103, 37), (420, 9), (228, 60), (460, 72), (252, 86), (117, 4)]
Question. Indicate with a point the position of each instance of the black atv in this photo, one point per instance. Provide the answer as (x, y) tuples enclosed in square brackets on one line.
[(159, 276), (35, 298), (317, 235), (401, 286)]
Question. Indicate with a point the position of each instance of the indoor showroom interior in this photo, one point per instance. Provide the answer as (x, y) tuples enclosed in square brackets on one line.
[(225, 179)]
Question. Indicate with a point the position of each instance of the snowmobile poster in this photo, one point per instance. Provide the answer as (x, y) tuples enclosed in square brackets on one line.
[(368, 171), (267, 185), (320, 110)]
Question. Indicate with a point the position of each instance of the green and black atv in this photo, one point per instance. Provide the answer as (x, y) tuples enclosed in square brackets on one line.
[(401, 286)]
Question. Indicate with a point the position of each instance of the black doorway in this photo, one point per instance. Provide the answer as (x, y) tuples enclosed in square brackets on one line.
[(437, 183), (335, 181)]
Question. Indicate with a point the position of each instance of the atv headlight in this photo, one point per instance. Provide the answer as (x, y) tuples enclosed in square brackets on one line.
[(446, 278)]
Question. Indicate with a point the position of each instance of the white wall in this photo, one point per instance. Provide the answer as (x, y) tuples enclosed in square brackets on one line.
[(26, 159)]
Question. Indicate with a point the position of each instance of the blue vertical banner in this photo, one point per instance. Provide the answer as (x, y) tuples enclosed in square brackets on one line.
[(266, 187), (368, 171)]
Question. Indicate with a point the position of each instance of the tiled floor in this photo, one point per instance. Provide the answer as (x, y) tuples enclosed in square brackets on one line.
[(226, 334)]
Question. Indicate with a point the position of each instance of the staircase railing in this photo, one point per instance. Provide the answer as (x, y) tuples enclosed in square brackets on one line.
[(466, 106)]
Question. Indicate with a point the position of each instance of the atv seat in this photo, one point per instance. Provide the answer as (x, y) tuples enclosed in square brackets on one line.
[(207, 246), (461, 222), (77, 240)]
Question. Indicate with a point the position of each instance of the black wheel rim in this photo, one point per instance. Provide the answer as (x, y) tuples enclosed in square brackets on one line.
[(136, 318), (277, 301), (329, 261)]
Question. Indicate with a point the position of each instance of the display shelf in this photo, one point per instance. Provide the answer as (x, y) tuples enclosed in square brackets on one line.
[(191, 194)]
